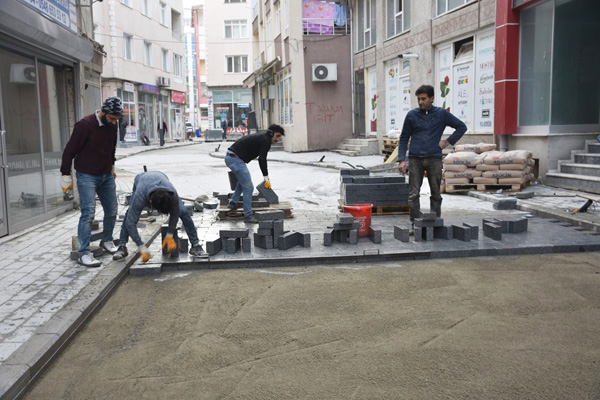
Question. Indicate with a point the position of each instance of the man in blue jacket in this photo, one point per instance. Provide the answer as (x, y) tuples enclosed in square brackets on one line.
[(153, 189), (424, 127)]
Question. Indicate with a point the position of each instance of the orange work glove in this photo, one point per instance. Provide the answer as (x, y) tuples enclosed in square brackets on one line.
[(144, 253), (113, 172), (169, 242), (66, 182), (267, 182)]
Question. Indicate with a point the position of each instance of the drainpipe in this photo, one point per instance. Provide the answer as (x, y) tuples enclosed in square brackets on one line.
[(350, 20)]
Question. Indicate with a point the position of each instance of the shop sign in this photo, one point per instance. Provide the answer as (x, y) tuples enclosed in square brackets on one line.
[(484, 82), (128, 87), (144, 87), (177, 97), (56, 10), (222, 97), (463, 95), (391, 90)]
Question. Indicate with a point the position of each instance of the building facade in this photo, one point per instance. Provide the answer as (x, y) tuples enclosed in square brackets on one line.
[(301, 77), (49, 78), (199, 27), (144, 64), (505, 68), (228, 61)]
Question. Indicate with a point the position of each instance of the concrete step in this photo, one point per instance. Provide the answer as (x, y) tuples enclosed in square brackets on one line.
[(362, 147), (347, 152), (590, 184), (593, 147), (586, 158), (580, 169), (277, 147)]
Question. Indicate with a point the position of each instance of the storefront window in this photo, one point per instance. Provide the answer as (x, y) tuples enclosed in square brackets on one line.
[(53, 111)]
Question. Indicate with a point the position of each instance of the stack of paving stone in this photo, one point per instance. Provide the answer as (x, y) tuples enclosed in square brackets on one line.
[(232, 240), (270, 233), (345, 230), (429, 227), (494, 228), (359, 187), (258, 201)]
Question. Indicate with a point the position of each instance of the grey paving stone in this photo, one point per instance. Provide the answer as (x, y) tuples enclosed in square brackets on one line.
[(353, 236), (354, 172), (265, 224), (288, 240), (474, 230), (347, 179), (264, 242), (418, 234), (214, 246), (234, 233), (269, 194), (422, 223), (524, 195), (14, 379), (442, 232), (269, 215), (231, 245), (146, 269), (462, 233), (353, 225), (430, 216), (375, 235), (246, 245), (492, 231), (402, 233), (327, 238), (517, 226), (305, 240), (345, 218), (428, 233), (277, 228), (265, 231)]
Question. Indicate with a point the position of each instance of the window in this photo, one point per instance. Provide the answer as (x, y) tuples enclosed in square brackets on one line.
[(165, 60), (146, 7), (126, 2), (235, 1), (127, 47), (235, 29), (367, 26), (286, 17), (447, 5), (284, 98), (236, 64), (398, 17), (147, 53), (177, 65), (268, 29), (278, 22), (162, 16)]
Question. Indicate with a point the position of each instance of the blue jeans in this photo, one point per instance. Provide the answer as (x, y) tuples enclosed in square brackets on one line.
[(240, 169), (184, 216), (88, 185)]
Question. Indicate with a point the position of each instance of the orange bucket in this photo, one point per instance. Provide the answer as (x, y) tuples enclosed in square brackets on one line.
[(362, 214)]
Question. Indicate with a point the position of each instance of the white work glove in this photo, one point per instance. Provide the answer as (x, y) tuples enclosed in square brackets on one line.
[(66, 182), (267, 182), (145, 253)]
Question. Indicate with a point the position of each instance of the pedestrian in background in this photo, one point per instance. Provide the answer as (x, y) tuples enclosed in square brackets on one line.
[(424, 127), (153, 189), (92, 145), (162, 132), (242, 152), (224, 127)]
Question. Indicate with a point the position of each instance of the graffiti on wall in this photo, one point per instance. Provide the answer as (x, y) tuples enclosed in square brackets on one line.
[(323, 113)]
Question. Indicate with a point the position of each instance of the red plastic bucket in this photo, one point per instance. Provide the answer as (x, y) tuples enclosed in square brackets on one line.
[(362, 214)]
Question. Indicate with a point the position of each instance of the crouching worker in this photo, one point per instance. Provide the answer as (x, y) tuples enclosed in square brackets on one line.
[(153, 189)]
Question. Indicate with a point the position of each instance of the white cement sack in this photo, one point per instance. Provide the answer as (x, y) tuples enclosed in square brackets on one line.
[(475, 148), (469, 173), (455, 167), (503, 174), (469, 159), (514, 167), (457, 181), (486, 167), (507, 157), (512, 181), (485, 181)]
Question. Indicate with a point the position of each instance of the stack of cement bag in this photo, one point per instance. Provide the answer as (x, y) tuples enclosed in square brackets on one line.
[(506, 168), (461, 167), (481, 164)]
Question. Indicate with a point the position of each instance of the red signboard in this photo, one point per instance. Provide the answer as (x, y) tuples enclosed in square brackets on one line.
[(177, 97)]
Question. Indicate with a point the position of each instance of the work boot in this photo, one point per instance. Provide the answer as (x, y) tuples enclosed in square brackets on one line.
[(232, 206), (88, 260), (197, 251), (250, 220), (121, 253), (108, 246)]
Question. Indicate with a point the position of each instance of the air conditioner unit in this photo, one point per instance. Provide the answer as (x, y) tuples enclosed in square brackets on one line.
[(164, 81), (22, 73), (324, 72)]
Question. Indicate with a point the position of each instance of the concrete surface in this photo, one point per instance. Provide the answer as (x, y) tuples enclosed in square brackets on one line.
[(45, 297)]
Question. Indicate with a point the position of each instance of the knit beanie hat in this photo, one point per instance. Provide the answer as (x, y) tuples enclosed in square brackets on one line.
[(113, 106)]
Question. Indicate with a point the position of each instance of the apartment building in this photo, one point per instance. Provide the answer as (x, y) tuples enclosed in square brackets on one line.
[(228, 61), (49, 79), (301, 77), (199, 27), (505, 68), (144, 64)]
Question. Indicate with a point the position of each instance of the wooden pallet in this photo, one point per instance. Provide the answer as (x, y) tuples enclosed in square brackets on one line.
[(225, 213), (460, 187), (467, 187)]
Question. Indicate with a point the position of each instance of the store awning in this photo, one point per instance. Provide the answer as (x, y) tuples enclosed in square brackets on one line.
[(257, 75), (24, 23)]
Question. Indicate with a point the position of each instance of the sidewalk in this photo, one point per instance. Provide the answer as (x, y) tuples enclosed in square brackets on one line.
[(45, 297)]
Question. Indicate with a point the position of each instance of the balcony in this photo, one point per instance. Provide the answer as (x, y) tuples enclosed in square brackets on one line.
[(326, 26)]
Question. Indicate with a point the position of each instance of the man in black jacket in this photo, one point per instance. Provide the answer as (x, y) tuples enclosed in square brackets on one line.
[(242, 152)]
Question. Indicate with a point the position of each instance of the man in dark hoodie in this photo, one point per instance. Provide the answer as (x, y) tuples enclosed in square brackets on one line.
[(424, 127), (242, 152), (92, 145), (153, 189)]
